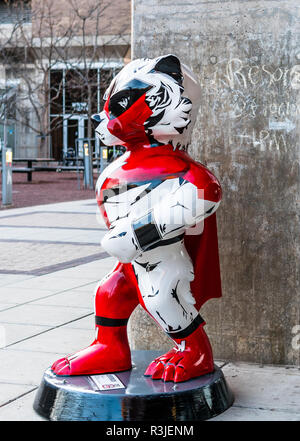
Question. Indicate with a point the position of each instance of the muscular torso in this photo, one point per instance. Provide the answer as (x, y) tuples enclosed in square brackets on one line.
[(138, 180)]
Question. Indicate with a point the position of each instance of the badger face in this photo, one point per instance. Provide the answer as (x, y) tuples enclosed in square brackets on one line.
[(101, 121), (145, 104)]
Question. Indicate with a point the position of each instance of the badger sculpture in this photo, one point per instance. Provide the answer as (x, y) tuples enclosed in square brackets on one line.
[(159, 206)]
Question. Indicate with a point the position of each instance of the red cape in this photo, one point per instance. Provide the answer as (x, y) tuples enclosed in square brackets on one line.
[(204, 252)]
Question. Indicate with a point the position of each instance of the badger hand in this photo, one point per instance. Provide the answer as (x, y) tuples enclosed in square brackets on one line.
[(120, 241)]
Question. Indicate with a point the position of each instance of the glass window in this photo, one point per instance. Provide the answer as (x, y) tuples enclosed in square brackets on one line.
[(56, 92), (81, 91)]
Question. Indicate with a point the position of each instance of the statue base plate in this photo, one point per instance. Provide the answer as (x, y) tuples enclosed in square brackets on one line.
[(130, 396)]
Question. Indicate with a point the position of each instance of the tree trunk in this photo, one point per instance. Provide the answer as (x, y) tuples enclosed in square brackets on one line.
[(43, 147), (91, 183)]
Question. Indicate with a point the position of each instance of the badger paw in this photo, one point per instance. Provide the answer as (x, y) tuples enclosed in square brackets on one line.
[(178, 366)]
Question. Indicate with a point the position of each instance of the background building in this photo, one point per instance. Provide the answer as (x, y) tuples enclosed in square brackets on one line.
[(57, 57)]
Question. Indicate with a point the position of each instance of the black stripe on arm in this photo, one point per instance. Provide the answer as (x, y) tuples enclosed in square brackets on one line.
[(166, 242), (210, 210), (104, 321), (146, 231)]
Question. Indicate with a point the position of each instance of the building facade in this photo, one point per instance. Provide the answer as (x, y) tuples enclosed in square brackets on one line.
[(57, 58)]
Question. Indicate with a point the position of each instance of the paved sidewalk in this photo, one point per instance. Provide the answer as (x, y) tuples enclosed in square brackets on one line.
[(51, 261)]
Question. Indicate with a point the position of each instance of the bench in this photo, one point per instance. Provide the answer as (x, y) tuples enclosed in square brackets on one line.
[(45, 168), (27, 170), (59, 168), (70, 168)]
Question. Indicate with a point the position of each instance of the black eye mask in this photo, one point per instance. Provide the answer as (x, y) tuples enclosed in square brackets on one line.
[(123, 100)]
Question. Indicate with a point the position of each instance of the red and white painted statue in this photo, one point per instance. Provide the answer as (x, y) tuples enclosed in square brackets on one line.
[(159, 205)]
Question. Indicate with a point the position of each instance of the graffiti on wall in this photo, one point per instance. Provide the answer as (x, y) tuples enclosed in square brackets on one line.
[(257, 102)]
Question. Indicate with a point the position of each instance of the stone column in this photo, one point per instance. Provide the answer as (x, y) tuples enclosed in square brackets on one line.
[(247, 58)]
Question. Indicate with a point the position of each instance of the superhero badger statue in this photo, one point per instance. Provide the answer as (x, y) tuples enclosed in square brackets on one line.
[(159, 205)]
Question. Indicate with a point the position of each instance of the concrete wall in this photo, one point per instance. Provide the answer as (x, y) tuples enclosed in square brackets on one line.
[(247, 58)]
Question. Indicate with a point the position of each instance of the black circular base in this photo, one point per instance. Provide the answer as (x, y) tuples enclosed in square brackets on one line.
[(139, 398)]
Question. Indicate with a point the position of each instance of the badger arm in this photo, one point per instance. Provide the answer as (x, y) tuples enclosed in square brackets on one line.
[(171, 217)]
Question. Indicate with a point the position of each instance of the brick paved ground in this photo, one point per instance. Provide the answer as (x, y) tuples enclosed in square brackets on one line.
[(48, 187)]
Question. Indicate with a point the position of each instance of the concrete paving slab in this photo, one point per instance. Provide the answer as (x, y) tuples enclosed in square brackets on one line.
[(246, 414), (94, 236), (266, 393), (75, 275), (11, 279), (101, 267), (62, 341), (24, 367), (94, 271), (107, 261), (69, 281), (36, 255), (41, 315), (75, 299), (51, 218), (89, 269), (53, 284), (17, 332), (37, 234), (4, 306), (267, 387), (12, 295), (20, 409), (87, 323), (88, 287), (86, 205), (11, 391), (82, 275)]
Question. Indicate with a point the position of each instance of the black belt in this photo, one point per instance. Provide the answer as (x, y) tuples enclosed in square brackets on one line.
[(104, 321), (189, 330)]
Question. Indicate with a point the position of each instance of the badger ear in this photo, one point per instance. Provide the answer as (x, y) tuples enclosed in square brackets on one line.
[(170, 65)]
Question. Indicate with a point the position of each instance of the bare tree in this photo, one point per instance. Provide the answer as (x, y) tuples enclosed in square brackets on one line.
[(68, 33)]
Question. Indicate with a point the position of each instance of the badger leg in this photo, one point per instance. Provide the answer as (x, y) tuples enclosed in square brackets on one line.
[(165, 294), (116, 298)]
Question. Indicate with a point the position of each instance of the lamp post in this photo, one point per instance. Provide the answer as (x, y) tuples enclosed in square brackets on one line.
[(6, 168), (88, 169)]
